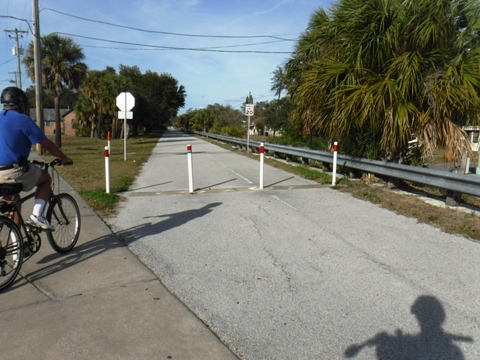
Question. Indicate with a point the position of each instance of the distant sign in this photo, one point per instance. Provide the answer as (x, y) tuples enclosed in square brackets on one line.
[(249, 109)]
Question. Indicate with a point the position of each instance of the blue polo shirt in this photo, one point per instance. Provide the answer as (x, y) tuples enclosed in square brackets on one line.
[(17, 134)]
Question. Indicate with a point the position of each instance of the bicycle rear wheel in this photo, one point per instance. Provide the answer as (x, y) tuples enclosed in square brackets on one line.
[(11, 252), (63, 213)]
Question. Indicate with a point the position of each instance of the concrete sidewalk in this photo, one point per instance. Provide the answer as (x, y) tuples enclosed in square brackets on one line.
[(98, 302)]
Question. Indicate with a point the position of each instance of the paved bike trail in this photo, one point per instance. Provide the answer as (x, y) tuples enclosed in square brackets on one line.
[(97, 302), (298, 270)]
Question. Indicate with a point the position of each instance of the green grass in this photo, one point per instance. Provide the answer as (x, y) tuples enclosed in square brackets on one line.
[(87, 175)]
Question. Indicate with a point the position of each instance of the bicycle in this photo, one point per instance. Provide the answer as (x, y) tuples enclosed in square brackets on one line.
[(18, 244)]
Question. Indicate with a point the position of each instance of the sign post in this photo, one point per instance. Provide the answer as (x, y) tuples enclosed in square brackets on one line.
[(125, 102), (249, 109)]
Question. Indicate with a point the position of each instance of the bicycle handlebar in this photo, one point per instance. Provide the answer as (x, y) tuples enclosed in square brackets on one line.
[(53, 163)]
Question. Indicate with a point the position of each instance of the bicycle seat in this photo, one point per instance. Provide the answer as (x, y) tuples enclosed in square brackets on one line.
[(10, 189)]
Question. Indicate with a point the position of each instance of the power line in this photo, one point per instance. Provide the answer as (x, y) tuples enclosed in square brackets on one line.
[(6, 62), (172, 33), (203, 48), (13, 17), (173, 47)]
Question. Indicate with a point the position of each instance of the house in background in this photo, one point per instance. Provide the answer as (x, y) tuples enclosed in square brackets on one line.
[(473, 133), (66, 121)]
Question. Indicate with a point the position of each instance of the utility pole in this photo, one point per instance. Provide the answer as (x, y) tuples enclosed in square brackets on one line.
[(38, 69), (16, 78), (17, 52)]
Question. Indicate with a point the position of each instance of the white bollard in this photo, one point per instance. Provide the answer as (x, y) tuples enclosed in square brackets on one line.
[(262, 155), (190, 168), (107, 169), (334, 175)]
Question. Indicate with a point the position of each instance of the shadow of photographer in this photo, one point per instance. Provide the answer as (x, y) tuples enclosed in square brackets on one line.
[(432, 343)]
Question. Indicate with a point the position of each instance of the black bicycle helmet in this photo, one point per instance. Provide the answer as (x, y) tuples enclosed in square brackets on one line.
[(13, 96)]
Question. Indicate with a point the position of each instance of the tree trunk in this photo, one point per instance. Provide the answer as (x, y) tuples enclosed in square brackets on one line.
[(92, 129), (114, 128), (58, 128)]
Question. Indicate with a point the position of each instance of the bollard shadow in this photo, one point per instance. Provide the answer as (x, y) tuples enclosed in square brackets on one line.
[(281, 181), (217, 184), (432, 343), (169, 221), (149, 186)]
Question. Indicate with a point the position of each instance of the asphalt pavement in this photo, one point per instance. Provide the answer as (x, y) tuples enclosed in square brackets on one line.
[(298, 270), (294, 271)]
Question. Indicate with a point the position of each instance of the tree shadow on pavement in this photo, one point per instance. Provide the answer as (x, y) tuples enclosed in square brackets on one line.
[(432, 343), (170, 221)]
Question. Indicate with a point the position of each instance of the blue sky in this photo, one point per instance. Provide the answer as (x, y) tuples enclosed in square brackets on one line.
[(224, 73)]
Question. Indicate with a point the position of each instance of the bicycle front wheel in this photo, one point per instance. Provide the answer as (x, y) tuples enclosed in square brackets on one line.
[(63, 213), (11, 252)]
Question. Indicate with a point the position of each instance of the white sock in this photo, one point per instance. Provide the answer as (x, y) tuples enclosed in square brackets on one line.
[(38, 207)]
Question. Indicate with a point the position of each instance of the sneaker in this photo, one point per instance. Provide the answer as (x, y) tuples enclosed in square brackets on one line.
[(40, 222)]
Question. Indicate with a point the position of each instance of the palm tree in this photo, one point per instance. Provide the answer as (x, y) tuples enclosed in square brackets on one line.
[(89, 110), (62, 67), (376, 73)]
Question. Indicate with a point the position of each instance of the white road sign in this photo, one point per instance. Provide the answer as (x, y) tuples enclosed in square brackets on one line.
[(125, 101), (249, 109), (121, 114)]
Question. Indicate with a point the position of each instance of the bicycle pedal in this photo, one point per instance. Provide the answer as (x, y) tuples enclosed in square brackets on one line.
[(32, 228)]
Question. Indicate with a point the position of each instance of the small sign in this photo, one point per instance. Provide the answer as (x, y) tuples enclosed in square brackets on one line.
[(121, 114), (249, 109)]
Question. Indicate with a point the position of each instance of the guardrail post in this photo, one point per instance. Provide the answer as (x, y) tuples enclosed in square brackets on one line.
[(477, 171), (393, 183), (453, 198)]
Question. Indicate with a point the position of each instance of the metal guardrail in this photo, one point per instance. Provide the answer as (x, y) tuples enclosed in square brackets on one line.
[(458, 183)]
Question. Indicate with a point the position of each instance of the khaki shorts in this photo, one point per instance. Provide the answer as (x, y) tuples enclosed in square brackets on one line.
[(18, 175)]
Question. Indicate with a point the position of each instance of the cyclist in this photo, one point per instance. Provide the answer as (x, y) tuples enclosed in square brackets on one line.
[(17, 134)]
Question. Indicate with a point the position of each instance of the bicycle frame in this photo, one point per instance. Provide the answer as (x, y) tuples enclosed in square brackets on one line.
[(31, 235), (62, 211)]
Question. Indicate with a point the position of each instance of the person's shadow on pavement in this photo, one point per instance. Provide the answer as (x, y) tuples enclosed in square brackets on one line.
[(432, 343), (169, 221)]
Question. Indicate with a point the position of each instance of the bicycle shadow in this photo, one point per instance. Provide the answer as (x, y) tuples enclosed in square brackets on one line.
[(54, 262), (170, 221), (432, 343)]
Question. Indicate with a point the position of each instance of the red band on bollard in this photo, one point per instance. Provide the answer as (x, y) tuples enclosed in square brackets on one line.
[(189, 148), (109, 136), (262, 149), (106, 153), (335, 147)]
